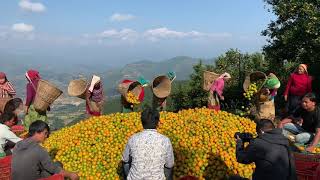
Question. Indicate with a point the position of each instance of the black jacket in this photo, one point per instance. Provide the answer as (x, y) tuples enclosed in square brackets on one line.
[(271, 155)]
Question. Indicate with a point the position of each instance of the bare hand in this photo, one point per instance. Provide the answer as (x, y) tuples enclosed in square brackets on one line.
[(222, 98), (4, 87), (74, 176), (286, 98), (310, 148), (283, 122), (238, 138), (26, 109)]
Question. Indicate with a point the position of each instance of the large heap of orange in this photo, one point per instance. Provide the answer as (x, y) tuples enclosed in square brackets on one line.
[(202, 139)]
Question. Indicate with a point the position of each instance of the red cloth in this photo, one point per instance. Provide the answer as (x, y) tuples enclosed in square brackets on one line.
[(2, 75), (92, 113), (216, 107), (298, 85), (31, 91), (33, 74)]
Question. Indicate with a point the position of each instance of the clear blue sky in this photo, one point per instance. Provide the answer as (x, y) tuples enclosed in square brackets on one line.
[(125, 31)]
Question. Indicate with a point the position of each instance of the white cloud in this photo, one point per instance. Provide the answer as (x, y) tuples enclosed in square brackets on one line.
[(30, 6), (165, 33), (124, 34), (121, 17), (154, 35), (22, 27)]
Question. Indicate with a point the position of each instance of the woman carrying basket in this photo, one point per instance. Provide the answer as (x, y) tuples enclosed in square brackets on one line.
[(32, 115), (7, 90), (95, 97), (265, 102), (216, 91)]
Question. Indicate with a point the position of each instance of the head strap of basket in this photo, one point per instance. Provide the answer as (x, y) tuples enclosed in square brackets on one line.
[(161, 86), (46, 94), (208, 79), (129, 85), (77, 88), (254, 77)]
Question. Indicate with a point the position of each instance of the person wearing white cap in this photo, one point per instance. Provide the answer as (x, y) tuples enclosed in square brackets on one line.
[(95, 97), (216, 91), (299, 84)]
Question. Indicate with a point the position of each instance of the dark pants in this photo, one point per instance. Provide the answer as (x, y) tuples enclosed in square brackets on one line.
[(8, 146), (294, 102)]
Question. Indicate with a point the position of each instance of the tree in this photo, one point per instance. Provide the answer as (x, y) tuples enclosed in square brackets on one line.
[(239, 65), (295, 34), (190, 94)]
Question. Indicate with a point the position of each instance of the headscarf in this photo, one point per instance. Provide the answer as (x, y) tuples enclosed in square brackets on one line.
[(225, 75), (272, 82), (3, 76), (304, 66), (32, 75), (94, 81)]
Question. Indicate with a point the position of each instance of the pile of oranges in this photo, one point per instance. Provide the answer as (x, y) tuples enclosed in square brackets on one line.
[(131, 98), (303, 148), (202, 139)]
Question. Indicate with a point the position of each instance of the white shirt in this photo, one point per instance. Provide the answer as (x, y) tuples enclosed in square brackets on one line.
[(7, 135), (150, 152)]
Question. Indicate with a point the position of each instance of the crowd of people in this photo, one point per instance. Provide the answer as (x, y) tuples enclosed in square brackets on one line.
[(149, 154)]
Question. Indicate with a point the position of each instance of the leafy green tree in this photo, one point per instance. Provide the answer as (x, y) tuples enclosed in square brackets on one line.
[(238, 65), (190, 94), (295, 34)]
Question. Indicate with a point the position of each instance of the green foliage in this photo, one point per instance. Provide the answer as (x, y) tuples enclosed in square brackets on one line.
[(295, 34), (190, 94), (238, 65)]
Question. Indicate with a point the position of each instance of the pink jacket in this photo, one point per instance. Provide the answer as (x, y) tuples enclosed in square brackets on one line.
[(217, 86)]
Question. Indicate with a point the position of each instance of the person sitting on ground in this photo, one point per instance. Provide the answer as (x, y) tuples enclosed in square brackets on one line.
[(304, 123), (31, 161), (7, 137), (270, 152), (148, 154)]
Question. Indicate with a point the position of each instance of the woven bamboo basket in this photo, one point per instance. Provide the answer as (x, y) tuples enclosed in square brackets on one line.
[(254, 77), (208, 79), (77, 88), (161, 86), (46, 94), (134, 86)]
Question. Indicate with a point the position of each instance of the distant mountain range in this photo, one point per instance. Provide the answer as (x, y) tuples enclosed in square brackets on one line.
[(68, 109), (61, 73)]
